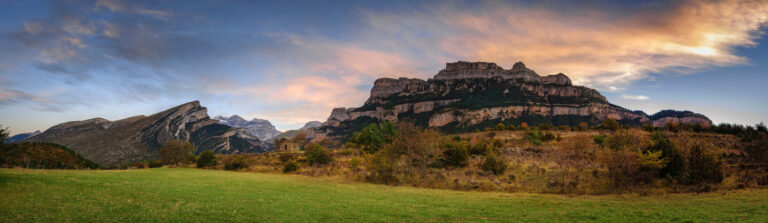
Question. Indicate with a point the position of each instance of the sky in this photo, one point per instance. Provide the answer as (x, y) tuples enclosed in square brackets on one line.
[(291, 62)]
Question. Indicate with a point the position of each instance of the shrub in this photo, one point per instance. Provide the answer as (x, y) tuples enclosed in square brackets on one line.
[(154, 163), (317, 155), (670, 126), (535, 137), (648, 127), (548, 137), (675, 162), (704, 165), (286, 156), (290, 166), (610, 124), (629, 168), (494, 164), (176, 151), (599, 139), (626, 139), (235, 163), (500, 127), (206, 159), (455, 156), (4, 133), (757, 150), (373, 136)]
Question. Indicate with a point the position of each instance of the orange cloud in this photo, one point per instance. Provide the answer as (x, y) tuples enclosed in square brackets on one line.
[(597, 49)]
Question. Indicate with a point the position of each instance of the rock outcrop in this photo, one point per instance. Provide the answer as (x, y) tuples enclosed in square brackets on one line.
[(470, 95), (138, 138), (262, 129), (678, 117)]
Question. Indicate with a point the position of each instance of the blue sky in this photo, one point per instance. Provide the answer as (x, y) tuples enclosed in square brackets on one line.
[(293, 61)]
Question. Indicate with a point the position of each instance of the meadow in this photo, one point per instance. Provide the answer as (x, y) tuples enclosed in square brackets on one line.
[(196, 195)]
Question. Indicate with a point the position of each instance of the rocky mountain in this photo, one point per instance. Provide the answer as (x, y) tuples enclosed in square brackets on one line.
[(138, 138), (22, 136), (311, 124), (260, 128), (474, 95)]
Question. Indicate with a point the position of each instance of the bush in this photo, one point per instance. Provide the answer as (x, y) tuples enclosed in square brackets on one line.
[(648, 127), (629, 168), (500, 127), (494, 164), (317, 155), (290, 166), (455, 156), (235, 163), (206, 159), (373, 136), (535, 137), (154, 164), (548, 137), (176, 151), (610, 124), (599, 139), (627, 139), (675, 162), (704, 165), (757, 150)]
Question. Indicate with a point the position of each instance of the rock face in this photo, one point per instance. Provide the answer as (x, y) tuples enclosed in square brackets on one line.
[(138, 138), (677, 117), (22, 136), (262, 129), (473, 95)]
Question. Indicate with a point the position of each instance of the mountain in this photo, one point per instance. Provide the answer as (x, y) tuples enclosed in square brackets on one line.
[(22, 136), (311, 124), (42, 155), (474, 95), (260, 128), (138, 138)]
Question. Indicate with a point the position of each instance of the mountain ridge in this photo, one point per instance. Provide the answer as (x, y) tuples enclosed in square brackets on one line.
[(469, 95), (138, 138)]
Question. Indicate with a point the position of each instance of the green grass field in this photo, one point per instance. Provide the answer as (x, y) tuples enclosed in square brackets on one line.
[(192, 195)]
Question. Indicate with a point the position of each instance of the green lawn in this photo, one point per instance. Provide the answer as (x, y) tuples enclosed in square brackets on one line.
[(173, 195)]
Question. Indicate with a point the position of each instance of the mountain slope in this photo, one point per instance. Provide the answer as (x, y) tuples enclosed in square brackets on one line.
[(22, 136), (260, 128), (473, 95), (137, 138)]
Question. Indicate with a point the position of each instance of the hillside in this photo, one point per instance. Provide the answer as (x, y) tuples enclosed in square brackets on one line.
[(138, 138), (42, 155), (193, 195), (474, 95)]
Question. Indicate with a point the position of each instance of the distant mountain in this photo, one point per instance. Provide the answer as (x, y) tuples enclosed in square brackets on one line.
[(260, 128), (292, 133), (138, 138), (475, 95), (43, 156), (22, 136), (312, 124)]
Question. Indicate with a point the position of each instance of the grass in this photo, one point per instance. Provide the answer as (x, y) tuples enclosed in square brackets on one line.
[(193, 195)]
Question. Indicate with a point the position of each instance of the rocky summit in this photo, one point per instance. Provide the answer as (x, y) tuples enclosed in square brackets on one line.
[(260, 128), (473, 95), (138, 138)]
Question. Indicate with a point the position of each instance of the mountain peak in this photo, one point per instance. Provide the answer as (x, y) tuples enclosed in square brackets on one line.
[(519, 66)]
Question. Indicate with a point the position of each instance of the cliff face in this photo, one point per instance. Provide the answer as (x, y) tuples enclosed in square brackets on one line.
[(262, 129), (470, 95), (138, 138)]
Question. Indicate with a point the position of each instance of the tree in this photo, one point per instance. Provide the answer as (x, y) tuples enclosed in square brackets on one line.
[(675, 162), (500, 127), (610, 124), (4, 132), (317, 155), (176, 151), (373, 136), (206, 159)]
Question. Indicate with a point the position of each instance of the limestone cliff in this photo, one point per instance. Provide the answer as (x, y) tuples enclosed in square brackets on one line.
[(471, 95), (138, 138)]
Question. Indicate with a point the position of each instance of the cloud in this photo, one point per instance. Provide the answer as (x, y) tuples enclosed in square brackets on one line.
[(597, 48), (635, 97)]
